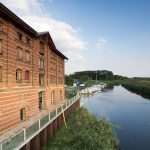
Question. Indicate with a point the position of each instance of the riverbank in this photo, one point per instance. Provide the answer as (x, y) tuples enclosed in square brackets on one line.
[(84, 131), (141, 87)]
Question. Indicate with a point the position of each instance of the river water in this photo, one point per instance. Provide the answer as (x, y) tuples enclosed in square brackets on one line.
[(129, 110)]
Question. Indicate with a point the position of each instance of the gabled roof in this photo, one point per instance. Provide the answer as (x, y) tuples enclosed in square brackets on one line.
[(47, 37), (19, 21)]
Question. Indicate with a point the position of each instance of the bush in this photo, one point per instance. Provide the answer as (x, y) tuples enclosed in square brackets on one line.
[(84, 132)]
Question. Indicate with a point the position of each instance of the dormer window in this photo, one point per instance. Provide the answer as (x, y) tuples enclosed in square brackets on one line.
[(1, 26), (19, 36), (42, 47)]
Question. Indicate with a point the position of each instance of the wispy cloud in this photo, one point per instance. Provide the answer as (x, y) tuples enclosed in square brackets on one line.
[(100, 44), (65, 37)]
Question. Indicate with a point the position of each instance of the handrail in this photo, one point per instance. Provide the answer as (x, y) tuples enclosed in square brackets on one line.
[(26, 133)]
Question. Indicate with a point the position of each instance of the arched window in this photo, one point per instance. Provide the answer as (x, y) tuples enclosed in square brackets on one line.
[(27, 75), (51, 78), (27, 56), (22, 114), (19, 53), (19, 75)]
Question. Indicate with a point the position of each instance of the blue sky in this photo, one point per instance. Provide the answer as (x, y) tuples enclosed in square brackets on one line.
[(109, 35)]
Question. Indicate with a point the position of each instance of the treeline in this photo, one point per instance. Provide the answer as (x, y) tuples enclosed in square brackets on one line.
[(84, 76), (98, 74), (140, 89)]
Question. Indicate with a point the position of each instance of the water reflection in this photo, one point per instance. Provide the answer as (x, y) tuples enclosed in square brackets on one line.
[(126, 109)]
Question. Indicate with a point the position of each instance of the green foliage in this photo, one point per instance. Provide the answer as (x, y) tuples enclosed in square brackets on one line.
[(84, 78), (145, 90), (99, 74), (68, 80), (84, 132)]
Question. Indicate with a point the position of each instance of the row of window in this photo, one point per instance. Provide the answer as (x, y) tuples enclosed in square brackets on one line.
[(60, 68), (19, 75), (60, 60), (53, 79), (52, 66), (20, 37), (19, 53)]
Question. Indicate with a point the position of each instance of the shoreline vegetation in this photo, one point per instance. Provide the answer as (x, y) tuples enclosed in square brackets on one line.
[(84, 132)]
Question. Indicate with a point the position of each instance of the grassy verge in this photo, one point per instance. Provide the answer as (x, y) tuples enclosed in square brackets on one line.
[(84, 132), (139, 89)]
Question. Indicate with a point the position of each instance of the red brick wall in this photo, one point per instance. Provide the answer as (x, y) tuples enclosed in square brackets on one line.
[(15, 96)]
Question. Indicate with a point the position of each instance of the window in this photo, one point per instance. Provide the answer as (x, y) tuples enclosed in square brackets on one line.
[(41, 47), (19, 36), (61, 80), (58, 80), (0, 73), (27, 40), (51, 78), (19, 53), (18, 75), (41, 80), (1, 51), (51, 55), (51, 65), (54, 66), (1, 26), (27, 56), (22, 114), (41, 100), (41, 63), (27, 75)]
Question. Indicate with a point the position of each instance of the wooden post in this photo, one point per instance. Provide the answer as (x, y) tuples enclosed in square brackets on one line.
[(43, 137), (35, 143)]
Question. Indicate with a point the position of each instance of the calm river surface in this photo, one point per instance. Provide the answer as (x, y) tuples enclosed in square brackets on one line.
[(130, 111)]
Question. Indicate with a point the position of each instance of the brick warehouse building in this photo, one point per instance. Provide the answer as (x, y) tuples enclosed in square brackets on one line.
[(31, 71)]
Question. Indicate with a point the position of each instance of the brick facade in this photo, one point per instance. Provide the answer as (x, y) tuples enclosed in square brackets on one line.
[(31, 71)]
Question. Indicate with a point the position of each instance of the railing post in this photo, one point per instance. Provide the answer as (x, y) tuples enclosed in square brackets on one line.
[(0, 146), (24, 132), (39, 123), (49, 116), (56, 111)]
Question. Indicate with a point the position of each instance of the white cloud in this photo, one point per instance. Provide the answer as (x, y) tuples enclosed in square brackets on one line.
[(50, 0), (100, 44), (21, 7), (65, 37)]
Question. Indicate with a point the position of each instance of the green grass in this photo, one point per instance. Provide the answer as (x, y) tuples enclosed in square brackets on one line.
[(141, 87), (84, 132)]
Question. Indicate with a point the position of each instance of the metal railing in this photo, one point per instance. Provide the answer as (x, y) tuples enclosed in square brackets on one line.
[(28, 133)]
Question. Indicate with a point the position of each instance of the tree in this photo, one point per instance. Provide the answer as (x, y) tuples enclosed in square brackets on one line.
[(84, 78), (68, 80)]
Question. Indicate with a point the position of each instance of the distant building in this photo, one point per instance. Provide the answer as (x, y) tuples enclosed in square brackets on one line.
[(31, 71)]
